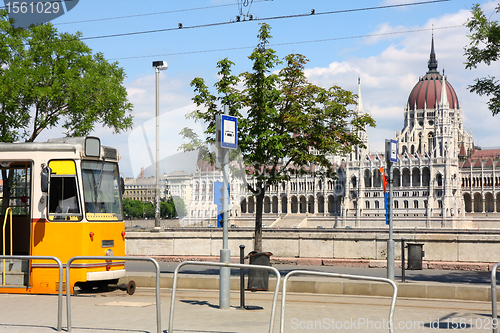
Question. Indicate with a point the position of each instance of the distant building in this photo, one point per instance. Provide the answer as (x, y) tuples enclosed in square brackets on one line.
[(439, 175), (141, 189), (178, 184), (175, 184)]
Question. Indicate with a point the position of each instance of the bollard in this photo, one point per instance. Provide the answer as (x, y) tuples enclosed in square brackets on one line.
[(403, 278), (242, 278)]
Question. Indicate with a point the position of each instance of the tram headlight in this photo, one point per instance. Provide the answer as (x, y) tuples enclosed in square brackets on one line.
[(109, 253)]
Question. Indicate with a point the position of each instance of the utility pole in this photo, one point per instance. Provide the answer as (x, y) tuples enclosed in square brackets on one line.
[(158, 66), (227, 138), (391, 155), (225, 253)]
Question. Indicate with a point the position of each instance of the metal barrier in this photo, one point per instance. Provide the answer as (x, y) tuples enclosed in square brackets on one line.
[(68, 292), (338, 275), (3, 238), (494, 319), (60, 282), (221, 264)]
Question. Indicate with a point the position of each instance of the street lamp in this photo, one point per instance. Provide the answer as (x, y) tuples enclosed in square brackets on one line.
[(158, 66)]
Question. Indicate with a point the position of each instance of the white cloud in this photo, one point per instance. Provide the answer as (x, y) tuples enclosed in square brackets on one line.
[(142, 139), (174, 103), (388, 77)]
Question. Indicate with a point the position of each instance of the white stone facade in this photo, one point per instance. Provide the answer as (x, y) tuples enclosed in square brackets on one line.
[(439, 173)]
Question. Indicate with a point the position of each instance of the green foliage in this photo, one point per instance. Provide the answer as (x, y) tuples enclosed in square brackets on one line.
[(180, 206), (49, 78), (286, 125), (484, 47), (137, 209), (168, 209)]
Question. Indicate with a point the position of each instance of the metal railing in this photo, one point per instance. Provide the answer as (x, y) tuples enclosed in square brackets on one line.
[(221, 264), (60, 282), (337, 275), (3, 238), (494, 319), (108, 258)]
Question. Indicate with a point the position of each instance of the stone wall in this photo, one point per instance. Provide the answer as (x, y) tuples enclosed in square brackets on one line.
[(346, 244)]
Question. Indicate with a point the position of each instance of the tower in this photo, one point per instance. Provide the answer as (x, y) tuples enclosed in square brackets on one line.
[(429, 143), (359, 151)]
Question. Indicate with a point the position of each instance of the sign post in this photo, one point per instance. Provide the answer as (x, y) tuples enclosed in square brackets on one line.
[(391, 156), (227, 138), (218, 200)]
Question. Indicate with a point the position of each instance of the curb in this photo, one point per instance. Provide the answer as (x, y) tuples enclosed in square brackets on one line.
[(447, 291), (361, 263)]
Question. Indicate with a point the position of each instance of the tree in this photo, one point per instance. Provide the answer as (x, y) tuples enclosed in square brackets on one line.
[(180, 206), (138, 209), (49, 78), (484, 47), (286, 125)]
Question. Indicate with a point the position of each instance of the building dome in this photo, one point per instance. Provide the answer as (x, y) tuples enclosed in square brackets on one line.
[(427, 92)]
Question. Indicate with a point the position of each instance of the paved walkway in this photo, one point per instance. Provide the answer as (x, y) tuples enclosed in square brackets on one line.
[(197, 311)]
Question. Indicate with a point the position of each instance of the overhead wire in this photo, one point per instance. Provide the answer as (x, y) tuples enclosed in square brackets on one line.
[(155, 13), (291, 43), (313, 13), (264, 19)]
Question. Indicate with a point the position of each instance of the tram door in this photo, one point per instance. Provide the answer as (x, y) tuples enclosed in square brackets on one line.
[(15, 198), (15, 193)]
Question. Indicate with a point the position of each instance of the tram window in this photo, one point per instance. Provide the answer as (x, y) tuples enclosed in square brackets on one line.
[(101, 189), (15, 184), (63, 202)]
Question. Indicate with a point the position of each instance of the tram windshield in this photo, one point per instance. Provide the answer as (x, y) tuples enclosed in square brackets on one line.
[(101, 191)]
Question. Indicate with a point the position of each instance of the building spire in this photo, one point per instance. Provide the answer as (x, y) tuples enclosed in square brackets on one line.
[(433, 64), (443, 103), (359, 107), (362, 135)]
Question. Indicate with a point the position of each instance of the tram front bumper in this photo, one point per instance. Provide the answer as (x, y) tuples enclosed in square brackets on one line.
[(108, 275)]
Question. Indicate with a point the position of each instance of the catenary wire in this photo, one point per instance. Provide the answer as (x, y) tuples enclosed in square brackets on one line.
[(266, 19), (155, 13), (255, 19), (291, 43)]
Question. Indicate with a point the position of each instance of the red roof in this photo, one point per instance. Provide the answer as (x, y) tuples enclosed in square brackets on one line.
[(462, 150), (205, 166), (486, 153), (427, 92)]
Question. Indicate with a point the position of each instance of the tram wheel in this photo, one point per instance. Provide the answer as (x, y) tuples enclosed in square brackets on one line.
[(131, 287), (85, 286)]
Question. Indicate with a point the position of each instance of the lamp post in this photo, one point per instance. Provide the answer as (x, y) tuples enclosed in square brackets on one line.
[(158, 66)]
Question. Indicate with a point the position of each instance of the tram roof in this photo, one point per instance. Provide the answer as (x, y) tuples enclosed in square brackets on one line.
[(74, 144), (39, 146)]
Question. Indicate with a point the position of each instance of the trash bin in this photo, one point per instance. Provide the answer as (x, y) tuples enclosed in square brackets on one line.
[(415, 255), (258, 279)]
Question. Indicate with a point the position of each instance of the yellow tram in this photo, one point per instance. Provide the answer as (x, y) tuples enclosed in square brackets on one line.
[(60, 198)]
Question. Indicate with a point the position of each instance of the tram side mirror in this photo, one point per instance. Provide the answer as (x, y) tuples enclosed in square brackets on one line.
[(45, 179), (122, 186)]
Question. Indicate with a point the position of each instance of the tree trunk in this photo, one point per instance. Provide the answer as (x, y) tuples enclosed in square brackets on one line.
[(257, 246)]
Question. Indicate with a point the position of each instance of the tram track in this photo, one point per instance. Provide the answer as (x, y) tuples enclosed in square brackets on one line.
[(307, 298)]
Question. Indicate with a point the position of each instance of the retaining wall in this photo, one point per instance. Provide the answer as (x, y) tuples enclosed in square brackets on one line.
[(449, 247)]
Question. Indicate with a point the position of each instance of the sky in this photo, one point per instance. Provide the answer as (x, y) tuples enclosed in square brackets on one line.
[(386, 48)]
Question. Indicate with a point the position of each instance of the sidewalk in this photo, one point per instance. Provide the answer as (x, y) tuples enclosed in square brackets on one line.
[(323, 285), (197, 311)]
